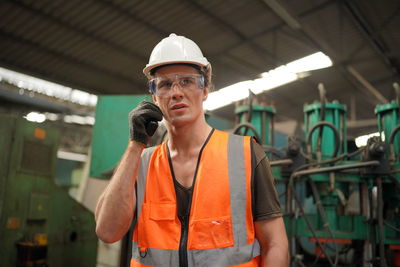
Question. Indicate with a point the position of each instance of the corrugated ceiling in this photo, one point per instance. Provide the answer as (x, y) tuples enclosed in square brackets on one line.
[(101, 46)]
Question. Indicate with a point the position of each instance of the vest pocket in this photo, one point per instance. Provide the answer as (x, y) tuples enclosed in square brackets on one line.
[(162, 211), (158, 227), (211, 233)]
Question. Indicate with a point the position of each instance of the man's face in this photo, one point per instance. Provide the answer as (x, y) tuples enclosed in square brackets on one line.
[(183, 104)]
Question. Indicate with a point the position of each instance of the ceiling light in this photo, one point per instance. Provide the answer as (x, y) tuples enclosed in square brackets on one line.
[(36, 117), (274, 78), (71, 156), (33, 84)]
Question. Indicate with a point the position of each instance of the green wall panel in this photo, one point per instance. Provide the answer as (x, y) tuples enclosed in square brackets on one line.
[(111, 131)]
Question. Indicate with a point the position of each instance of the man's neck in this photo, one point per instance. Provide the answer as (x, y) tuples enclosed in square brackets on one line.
[(188, 138)]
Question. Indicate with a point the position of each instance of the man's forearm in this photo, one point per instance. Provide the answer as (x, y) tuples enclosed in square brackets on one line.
[(275, 256), (116, 205)]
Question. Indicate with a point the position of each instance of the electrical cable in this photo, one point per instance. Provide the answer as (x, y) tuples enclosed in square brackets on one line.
[(391, 140), (391, 226), (324, 218), (305, 155), (281, 162), (247, 125), (250, 111), (332, 160), (273, 151), (295, 174), (335, 131), (311, 228), (393, 134)]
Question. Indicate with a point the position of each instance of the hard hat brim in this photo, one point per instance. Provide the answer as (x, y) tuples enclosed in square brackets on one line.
[(149, 67)]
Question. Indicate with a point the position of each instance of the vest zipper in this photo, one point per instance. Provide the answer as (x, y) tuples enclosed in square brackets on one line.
[(183, 260)]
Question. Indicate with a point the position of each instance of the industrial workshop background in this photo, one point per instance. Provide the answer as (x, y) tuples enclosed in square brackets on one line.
[(316, 82)]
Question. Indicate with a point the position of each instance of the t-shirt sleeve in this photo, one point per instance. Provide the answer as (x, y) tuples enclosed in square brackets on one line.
[(265, 198)]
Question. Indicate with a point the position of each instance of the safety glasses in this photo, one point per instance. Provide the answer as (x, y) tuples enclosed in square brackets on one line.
[(163, 86)]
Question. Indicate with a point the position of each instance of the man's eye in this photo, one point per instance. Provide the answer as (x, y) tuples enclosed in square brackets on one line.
[(164, 85), (187, 81)]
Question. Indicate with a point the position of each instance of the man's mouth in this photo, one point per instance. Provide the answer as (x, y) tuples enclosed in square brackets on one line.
[(178, 106)]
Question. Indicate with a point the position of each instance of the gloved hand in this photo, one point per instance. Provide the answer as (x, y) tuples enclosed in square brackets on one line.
[(142, 119)]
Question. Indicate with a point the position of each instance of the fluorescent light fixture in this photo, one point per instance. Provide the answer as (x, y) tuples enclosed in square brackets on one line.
[(71, 156), (32, 84), (274, 78), (312, 62), (84, 120), (35, 117), (41, 117), (362, 140), (51, 116)]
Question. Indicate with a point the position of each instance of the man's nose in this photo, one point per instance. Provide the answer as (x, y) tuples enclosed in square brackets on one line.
[(176, 89)]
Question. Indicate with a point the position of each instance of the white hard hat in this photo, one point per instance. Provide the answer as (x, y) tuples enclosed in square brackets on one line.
[(175, 49)]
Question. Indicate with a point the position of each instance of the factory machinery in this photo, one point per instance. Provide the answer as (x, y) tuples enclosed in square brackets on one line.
[(341, 207), (40, 224)]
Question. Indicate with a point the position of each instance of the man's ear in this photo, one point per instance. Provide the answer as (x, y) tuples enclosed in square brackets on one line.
[(154, 99), (205, 93)]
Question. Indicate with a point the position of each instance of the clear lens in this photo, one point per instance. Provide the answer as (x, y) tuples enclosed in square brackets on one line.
[(162, 86)]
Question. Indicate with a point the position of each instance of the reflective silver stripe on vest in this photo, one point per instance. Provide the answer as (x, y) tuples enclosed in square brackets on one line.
[(156, 257), (219, 257), (237, 188), (142, 176)]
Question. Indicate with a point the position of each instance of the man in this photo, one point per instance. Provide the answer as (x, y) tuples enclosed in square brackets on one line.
[(204, 197)]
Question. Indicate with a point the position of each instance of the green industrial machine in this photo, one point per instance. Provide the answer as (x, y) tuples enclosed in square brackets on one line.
[(41, 225), (256, 120), (388, 116), (341, 208)]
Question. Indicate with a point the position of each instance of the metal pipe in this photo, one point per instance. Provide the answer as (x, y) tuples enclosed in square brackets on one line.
[(391, 140), (281, 162), (380, 224), (335, 131), (312, 230), (336, 168), (393, 134), (322, 96), (324, 218), (247, 126)]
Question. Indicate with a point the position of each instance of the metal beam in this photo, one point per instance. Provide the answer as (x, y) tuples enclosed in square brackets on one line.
[(372, 36), (45, 76), (283, 14), (243, 38), (361, 123), (367, 85), (329, 50)]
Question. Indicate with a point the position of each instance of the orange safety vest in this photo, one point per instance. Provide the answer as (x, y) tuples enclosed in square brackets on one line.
[(220, 229)]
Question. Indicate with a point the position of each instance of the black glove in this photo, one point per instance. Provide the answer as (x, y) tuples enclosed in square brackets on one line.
[(143, 121)]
